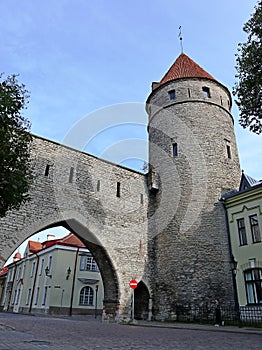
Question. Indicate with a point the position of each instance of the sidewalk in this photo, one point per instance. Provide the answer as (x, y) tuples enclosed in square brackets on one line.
[(198, 327)]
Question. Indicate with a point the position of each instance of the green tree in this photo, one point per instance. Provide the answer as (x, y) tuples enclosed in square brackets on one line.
[(248, 89), (15, 174)]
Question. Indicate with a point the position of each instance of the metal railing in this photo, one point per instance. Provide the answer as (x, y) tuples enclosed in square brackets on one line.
[(244, 316)]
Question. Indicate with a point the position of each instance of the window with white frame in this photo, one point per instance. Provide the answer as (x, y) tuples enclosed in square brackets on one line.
[(88, 263), (50, 263), (242, 231), (18, 296), (44, 295), (253, 282), (32, 269), (28, 297), (41, 267), (14, 297), (37, 295), (86, 296), (253, 219)]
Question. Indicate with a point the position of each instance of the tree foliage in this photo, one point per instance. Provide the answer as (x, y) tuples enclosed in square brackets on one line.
[(248, 89), (15, 174)]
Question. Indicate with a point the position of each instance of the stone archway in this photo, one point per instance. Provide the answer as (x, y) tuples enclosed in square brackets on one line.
[(107, 269), (79, 192), (142, 301)]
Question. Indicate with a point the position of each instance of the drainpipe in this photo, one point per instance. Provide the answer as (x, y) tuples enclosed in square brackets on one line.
[(73, 284), (33, 289)]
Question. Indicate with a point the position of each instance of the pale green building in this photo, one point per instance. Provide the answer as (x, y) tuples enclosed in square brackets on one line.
[(58, 276), (244, 213)]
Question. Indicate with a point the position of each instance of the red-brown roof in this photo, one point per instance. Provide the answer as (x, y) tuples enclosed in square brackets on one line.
[(34, 247), (71, 239), (184, 67), (3, 271)]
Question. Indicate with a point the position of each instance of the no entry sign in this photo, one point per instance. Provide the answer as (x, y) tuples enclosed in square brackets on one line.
[(133, 284)]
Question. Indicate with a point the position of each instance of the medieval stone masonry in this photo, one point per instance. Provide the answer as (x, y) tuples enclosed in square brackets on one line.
[(167, 229)]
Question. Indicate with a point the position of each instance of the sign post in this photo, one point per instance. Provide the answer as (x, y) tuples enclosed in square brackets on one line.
[(133, 285)]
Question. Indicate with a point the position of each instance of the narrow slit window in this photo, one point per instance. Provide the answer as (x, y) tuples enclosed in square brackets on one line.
[(228, 149), (221, 101), (141, 199), (71, 175), (189, 93), (206, 92), (118, 189), (175, 150), (172, 94), (228, 152), (47, 168), (98, 186)]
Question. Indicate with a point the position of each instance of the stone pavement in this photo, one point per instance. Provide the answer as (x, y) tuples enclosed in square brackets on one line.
[(28, 332)]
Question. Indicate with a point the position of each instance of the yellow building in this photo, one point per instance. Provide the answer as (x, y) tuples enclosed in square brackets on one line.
[(244, 212), (58, 276)]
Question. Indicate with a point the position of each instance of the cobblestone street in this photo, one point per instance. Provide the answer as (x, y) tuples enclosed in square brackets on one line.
[(26, 332)]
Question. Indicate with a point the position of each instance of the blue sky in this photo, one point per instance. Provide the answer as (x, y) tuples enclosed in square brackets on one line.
[(77, 57)]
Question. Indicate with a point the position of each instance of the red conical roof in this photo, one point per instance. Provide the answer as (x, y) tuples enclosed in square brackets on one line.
[(184, 67)]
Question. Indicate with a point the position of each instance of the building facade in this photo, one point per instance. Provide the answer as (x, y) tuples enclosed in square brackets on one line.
[(244, 212), (58, 276)]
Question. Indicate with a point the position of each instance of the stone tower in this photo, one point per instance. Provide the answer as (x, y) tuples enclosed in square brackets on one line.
[(193, 159)]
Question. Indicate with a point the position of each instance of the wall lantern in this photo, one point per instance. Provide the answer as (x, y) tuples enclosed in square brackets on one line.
[(47, 272), (233, 265), (68, 272)]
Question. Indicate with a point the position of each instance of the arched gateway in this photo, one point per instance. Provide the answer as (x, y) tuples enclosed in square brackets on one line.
[(168, 227), (98, 201)]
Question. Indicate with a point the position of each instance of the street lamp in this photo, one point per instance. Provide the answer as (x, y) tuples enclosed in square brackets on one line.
[(68, 273), (47, 272), (233, 264)]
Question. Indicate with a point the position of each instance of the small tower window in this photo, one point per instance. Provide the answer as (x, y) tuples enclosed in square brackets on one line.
[(47, 168), (206, 92), (71, 174), (228, 152), (172, 94), (221, 101), (189, 93), (118, 189), (228, 149), (175, 150), (98, 186)]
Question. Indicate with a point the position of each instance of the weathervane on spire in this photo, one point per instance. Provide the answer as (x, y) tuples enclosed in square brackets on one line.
[(180, 38)]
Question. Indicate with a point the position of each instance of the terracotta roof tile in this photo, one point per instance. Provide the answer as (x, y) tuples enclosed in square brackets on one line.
[(3, 271), (71, 239), (34, 247), (184, 67)]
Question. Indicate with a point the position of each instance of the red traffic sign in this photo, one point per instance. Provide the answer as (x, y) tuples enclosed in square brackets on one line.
[(133, 284)]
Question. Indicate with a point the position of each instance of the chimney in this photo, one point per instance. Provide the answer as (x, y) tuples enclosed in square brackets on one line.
[(50, 236)]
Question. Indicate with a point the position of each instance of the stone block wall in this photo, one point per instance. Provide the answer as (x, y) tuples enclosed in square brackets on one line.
[(103, 203)]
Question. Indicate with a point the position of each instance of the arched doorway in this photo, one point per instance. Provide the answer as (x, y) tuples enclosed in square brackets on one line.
[(141, 307)]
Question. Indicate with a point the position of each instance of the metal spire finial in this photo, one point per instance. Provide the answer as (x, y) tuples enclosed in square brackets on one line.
[(180, 38)]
